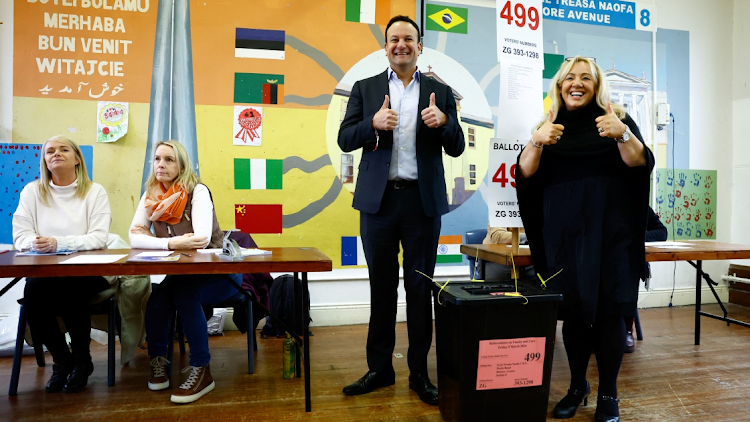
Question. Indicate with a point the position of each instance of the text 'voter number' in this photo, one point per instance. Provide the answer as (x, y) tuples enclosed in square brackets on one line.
[(519, 14), (501, 177)]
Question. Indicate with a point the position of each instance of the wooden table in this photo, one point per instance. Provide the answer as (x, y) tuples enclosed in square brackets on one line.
[(296, 260), (694, 252)]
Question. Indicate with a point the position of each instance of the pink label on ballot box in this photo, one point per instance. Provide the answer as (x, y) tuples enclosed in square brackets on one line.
[(510, 363)]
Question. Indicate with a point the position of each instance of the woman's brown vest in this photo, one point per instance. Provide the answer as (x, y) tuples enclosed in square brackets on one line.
[(162, 229)]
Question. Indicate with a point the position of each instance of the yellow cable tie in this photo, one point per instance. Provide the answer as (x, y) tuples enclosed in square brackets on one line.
[(544, 282), (442, 286), (476, 262), (516, 294)]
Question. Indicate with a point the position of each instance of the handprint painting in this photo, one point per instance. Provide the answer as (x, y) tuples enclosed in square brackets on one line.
[(686, 203)]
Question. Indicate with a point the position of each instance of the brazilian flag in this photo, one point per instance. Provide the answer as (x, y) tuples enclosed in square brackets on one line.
[(447, 19)]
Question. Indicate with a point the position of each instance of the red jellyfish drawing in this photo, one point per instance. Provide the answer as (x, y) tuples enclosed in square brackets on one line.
[(249, 119)]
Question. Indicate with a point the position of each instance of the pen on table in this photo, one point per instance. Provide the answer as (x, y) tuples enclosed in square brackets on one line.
[(186, 254), (2, 252)]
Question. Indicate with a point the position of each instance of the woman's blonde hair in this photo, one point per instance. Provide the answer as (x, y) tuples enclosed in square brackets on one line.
[(187, 178), (45, 175), (602, 88)]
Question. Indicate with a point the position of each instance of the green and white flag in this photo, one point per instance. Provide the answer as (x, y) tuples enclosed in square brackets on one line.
[(257, 173)]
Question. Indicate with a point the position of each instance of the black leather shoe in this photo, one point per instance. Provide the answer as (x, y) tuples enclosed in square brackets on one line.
[(370, 381), (59, 376), (79, 378), (629, 342), (607, 409), (427, 392), (566, 408)]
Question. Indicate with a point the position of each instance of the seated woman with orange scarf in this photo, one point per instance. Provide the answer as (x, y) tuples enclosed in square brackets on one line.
[(180, 210)]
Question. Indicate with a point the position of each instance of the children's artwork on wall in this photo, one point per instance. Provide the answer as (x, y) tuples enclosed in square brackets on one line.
[(686, 203), (248, 126), (19, 166), (111, 121)]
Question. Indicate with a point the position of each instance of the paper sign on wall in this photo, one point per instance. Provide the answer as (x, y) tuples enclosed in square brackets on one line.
[(510, 363), (111, 121), (519, 31), (502, 200), (521, 107)]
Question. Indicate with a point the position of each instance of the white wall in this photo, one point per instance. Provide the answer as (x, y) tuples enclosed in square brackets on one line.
[(710, 25), (740, 189)]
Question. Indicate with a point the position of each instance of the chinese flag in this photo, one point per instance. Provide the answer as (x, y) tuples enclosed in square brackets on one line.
[(252, 218)]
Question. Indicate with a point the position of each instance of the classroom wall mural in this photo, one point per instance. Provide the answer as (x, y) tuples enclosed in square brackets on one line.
[(271, 82)]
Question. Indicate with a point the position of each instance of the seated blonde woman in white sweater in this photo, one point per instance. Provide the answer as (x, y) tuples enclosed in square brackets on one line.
[(63, 210)]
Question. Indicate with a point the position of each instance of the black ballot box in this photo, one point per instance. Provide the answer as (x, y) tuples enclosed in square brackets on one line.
[(494, 351)]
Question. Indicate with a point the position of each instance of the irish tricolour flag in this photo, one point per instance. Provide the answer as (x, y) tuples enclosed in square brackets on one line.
[(449, 249), (368, 11), (257, 173)]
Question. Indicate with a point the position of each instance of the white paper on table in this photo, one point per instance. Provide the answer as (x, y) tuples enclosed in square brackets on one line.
[(254, 252), (675, 245), (214, 250), (93, 259), (154, 253)]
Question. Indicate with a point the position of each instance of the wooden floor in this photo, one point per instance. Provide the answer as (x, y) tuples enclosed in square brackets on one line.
[(666, 379)]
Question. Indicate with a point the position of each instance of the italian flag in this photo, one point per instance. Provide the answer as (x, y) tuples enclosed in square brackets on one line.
[(257, 173), (368, 11), (449, 249)]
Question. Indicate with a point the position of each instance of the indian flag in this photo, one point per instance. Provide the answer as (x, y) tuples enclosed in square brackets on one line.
[(368, 11), (352, 252), (449, 249), (257, 173)]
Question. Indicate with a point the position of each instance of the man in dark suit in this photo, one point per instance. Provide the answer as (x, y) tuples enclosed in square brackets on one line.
[(403, 121)]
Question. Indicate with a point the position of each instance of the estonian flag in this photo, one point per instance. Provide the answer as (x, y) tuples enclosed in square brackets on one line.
[(259, 44)]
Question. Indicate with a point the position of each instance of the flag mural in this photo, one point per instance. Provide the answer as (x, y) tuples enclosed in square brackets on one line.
[(254, 218), (352, 252), (449, 249), (259, 44), (368, 11), (446, 19), (258, 88), (258, 173)]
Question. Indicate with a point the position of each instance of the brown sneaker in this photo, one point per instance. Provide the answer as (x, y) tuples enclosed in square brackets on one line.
[(158, 379), (198, 384)]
